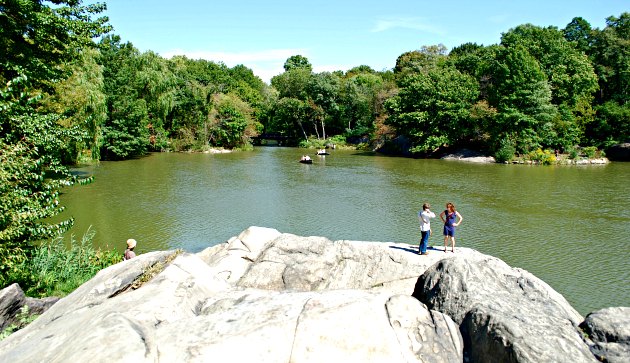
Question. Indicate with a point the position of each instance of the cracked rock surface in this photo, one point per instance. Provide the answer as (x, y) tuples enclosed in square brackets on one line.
[(265, 296)]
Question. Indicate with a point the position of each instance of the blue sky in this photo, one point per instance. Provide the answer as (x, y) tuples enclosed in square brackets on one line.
[(333, 35)]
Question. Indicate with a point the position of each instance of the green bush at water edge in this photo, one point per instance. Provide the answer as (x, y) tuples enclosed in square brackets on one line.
[(56, 270), (314, 143)]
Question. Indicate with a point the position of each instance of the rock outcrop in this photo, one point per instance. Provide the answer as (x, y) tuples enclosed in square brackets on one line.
[(619, 152), (469, 156), (505, 314), (12, 299), (265, 296), (609, 330)]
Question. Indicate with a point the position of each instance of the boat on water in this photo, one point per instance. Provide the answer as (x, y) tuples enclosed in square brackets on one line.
[(306, 161), (322, 152)]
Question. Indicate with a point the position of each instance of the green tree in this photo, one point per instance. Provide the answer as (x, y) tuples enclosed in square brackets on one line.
[(477, 61), (612, 125), (80, 100), (197, 121), (579, 31), (36, 38), (126, 132), (570, 75), (231, 124), (248, 87), (420, 60), (297, 62), (362, 69), (433, 107), (568, 70), (156, 85), (292, 83), (610, 55), (522, 97), (35, 41), (323, 91), (292, 109), (188, 121), (359, 101), (288, 117)]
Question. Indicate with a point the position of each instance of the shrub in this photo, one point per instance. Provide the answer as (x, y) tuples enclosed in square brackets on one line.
[(543, 157), (505, 153), (337, 140), (589, 151), (54, 270), (313, 143)]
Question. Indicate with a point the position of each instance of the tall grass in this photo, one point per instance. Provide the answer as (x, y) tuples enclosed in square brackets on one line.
[(57, 270), (53, 269)]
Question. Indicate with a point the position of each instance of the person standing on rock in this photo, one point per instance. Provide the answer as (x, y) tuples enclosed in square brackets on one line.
[(129, 254), (450, 218), (425, 216)]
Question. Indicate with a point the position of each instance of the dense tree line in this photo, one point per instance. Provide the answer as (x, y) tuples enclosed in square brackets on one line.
[(538, 88), (65, 98)]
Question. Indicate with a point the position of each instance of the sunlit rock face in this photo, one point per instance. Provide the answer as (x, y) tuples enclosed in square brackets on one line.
[(267, 296)]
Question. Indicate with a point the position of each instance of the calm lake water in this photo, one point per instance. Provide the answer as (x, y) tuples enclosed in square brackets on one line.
[(568, 225)]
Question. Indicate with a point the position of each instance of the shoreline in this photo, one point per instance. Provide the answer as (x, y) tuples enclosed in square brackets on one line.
[(470, 156)]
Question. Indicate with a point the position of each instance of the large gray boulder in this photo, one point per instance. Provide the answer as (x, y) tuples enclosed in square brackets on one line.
[(505, 314), (266, 296), (266, 259), (609, 329), (156, 308)]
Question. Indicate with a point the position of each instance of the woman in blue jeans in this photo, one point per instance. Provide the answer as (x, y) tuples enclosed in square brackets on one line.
[(451, 219), (425, 216)]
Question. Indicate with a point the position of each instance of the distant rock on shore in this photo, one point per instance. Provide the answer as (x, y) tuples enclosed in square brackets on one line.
[(469, 156), (619, 152), (267, 296)]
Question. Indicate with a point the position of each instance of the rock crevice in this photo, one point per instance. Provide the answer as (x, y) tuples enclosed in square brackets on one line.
[(266, 296)]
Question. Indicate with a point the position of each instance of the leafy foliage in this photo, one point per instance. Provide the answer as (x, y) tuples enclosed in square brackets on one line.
[(55, 269), (230, 120), (434, 106), (36, 38), (542, 157), (80, 102), (35, 41), (31, 174), (297, 62)]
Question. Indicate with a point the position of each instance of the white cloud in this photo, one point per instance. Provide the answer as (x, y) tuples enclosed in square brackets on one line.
[(265, 63), (406, 23)]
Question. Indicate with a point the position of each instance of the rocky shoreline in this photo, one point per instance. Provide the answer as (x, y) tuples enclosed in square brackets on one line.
[(266, 296), (470, 156)]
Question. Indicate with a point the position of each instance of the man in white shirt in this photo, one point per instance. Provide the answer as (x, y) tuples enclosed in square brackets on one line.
[(424, 216)]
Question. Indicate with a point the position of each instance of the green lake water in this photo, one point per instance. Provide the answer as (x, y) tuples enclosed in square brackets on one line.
[(568, 225)]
